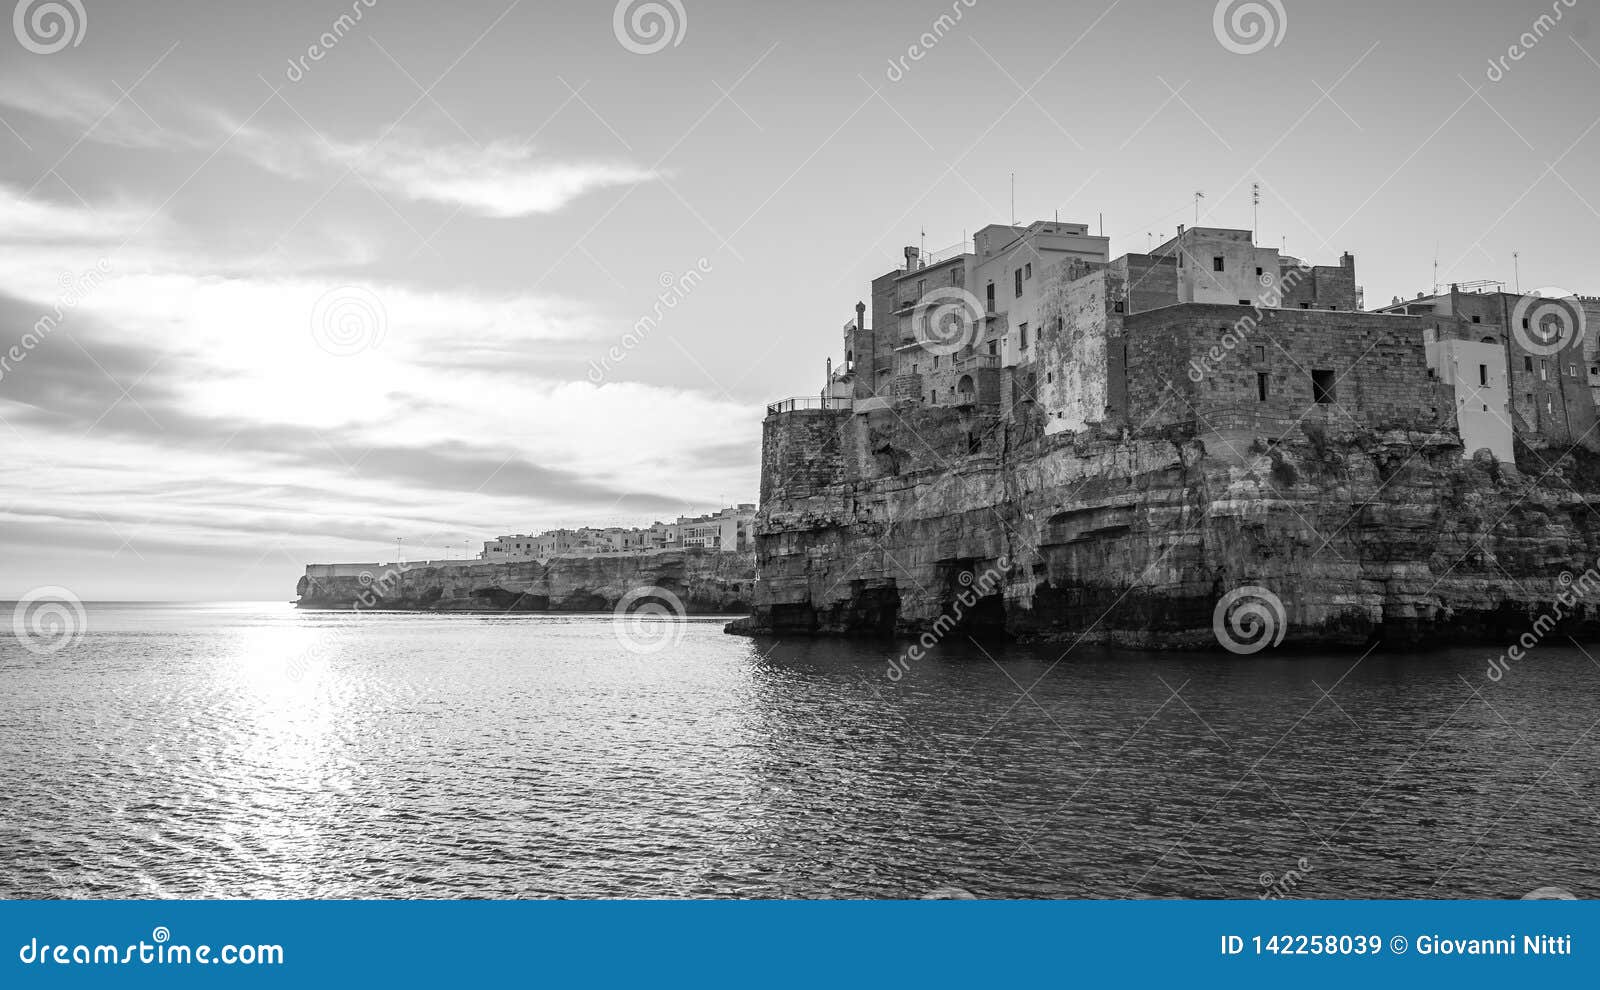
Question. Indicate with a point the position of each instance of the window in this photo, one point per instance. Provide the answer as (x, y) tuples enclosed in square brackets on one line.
[(1544, 371), (1572, 371), (1477, 319), (1216, 263), (1023, 331), (1305, 305), (1529, 397), (1322, 386), (922, 287), (1027, 270), (992, 346), (1019, 281), (1262, 382), (990, 292), (1483, 374), (1119, 307), (1258, 271), (1049, 377), (955, 276), (1244, 302), (1527, 362), (936, 362), (1524, 323), (1261, 352)]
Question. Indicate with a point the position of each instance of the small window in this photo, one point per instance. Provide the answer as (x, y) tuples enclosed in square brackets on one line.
[(1119, 307), (1216, 263), (1477, 319), (1049, 377), (1572, 371), (1019, 281), (990, 291), (1261, 352), (955, 276), (1527, 362), (1305, 305), (1529, 398), (1023, 335), (922, 287), (1027, 270), (1483, 374), (1525, 323), (991, 347), (1544, 371), (1258, 271), (1244, 302), (1322, 383), (1263, 380), (936, 362)]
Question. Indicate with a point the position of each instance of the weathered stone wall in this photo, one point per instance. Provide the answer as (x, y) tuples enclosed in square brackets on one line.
[(800, 451), (1181, 369)]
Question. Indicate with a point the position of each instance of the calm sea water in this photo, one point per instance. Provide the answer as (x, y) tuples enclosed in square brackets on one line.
[(255, 751)]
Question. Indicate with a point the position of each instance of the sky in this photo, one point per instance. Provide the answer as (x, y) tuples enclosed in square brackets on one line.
[(443, 272)]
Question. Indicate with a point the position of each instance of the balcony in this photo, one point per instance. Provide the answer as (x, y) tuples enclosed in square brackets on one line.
[(973, 361), (805, 402)]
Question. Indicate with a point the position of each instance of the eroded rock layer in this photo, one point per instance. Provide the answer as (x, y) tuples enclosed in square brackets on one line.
[(704, 582), (902, 521)]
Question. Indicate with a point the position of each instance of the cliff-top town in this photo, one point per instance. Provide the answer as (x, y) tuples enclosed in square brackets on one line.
[(1212, 329)]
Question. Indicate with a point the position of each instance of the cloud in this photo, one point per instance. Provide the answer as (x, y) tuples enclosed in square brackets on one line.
[(497, 180)]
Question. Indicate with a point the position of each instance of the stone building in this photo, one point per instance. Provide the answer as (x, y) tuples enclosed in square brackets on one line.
[(1208, 329)]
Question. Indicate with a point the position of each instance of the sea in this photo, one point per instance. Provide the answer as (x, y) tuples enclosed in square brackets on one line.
[(253, 750)]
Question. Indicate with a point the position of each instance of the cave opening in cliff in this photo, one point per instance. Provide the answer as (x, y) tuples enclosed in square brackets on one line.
[(974, 596)]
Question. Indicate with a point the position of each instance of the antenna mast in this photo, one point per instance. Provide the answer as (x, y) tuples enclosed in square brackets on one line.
[(1255, 210), (1516, 267)]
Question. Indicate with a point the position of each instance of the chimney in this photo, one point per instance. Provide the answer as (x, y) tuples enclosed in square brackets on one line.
[(1348, 262), (911, 258), (861, 316)]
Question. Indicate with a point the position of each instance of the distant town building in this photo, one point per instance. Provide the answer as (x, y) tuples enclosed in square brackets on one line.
[(726, 531)]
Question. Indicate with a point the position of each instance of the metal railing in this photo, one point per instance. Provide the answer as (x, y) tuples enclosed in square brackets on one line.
[(801, 402)]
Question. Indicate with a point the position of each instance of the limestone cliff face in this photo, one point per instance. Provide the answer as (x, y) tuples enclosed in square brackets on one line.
[(882, 523), (705, 582)]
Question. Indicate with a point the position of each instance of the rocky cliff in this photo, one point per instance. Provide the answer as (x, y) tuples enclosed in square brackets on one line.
[(898, 522), (702, 581)]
